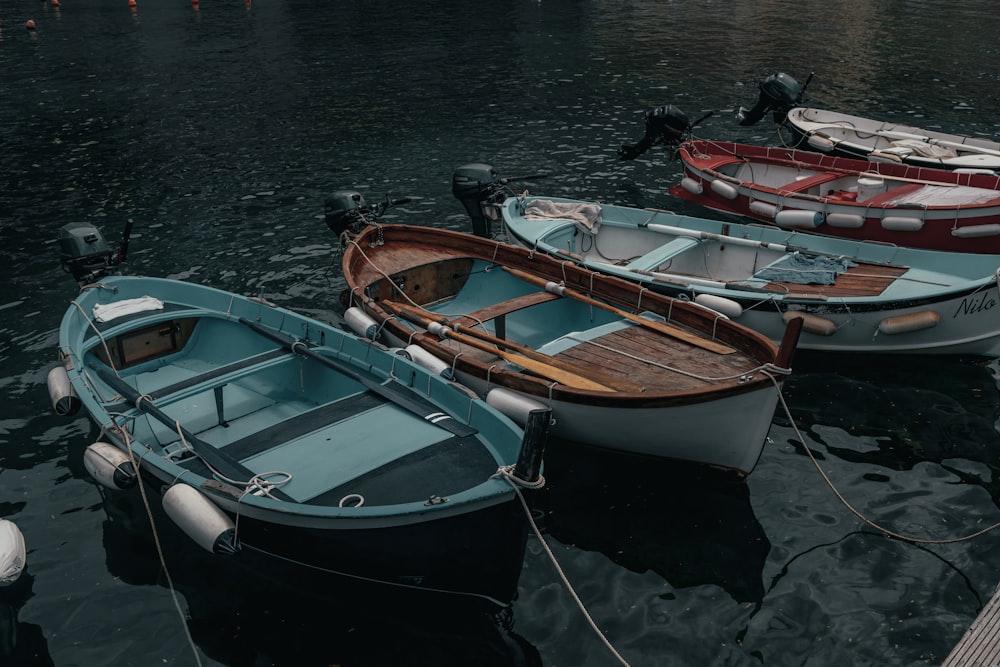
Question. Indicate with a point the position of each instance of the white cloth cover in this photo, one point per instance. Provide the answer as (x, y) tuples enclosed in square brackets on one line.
[(586, 217), (105, 312)]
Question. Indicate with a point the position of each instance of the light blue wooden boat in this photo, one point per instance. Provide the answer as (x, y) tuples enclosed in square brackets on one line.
[(284, 441), (872, 297)]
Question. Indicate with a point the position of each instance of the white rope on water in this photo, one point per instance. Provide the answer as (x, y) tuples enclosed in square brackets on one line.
[(506, 472), (856, 512), (156, 541)]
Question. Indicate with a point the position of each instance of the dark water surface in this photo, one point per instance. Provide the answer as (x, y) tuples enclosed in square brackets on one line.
[(219, 131)]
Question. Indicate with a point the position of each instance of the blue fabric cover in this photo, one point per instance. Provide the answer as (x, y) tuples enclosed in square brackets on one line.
[(805, 269)]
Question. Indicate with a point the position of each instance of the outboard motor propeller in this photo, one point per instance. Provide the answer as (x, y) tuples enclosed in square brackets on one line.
[(779, 93), (84, 252), (475, 185), (343, 209), (664, 125)]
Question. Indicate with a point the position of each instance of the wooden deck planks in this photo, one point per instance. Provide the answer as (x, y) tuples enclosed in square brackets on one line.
[(980, 645), (629, 348)]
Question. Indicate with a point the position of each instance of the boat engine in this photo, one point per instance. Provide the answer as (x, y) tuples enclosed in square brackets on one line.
[(779, 93), (477, 185), (664, 125), (343, 211), (84, 252)]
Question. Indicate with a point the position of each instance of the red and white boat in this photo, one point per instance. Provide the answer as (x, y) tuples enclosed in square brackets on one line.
[(908, 206)]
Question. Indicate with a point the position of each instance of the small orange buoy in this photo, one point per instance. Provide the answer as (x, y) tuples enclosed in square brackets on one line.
[(131, 3), (29, 24), (55, 3)]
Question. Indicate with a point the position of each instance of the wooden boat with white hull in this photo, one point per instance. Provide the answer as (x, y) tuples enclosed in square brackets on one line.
[(674, 381), (899, 204), (852, 296), (286, 442)]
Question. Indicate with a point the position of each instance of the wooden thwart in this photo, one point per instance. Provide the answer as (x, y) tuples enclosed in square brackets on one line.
[(565, 373), (664, 328)]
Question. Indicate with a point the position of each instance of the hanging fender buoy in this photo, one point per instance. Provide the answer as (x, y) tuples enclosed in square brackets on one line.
[(925, 319), (109, 466), (512, 404), (201, 519), (724, 189), (13, 553), (763, 209), (813, 324), (845, 220), (821, 143), (361, 323), (691, 185), (427, 360), (975, 231), (720, 304), (65, 401), (899, 223), (798, 219)]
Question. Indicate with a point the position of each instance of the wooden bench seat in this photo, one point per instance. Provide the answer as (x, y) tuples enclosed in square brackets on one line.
[(499, 311)]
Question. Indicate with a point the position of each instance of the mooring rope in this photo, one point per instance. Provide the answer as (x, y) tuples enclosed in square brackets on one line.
[(856, 512), (506, 473)]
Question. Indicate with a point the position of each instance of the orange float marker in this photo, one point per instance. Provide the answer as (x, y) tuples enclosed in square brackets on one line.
[(131, 3), (30, 24), (55, 3)]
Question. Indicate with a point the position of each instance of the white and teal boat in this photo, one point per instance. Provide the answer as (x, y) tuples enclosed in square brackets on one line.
[(281, 440), (852, 295)]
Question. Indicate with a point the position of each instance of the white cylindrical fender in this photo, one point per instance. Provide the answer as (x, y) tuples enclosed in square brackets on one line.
[(925, 319), (720, 304), (202, 520), (798, 219), (820, 143), (691, 185), (429, 361), (845, 220), (13, 553), (361, 323), (724, 189), (64, 398), (110, 466), (763, 209), (899, 223), (512, 404), (813, 324), (975, 231)]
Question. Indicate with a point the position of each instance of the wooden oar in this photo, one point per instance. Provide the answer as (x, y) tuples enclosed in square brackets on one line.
[(545, 369), (217, 458), (395, 392), (875, 174), (423, 318), (662, 327)]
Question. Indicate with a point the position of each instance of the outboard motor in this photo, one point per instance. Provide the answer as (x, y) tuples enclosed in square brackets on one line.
[(779, 93), (85, 253), (476, 186), (343, 210), (664, 125)]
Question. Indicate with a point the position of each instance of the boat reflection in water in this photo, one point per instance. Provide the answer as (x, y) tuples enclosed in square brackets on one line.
[(243, 617), (691, 524)]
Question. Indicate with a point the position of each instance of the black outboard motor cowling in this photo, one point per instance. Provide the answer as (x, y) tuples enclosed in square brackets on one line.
[(84, 252), (342, 210), (475, 184), (778, 93), (664, 125)]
